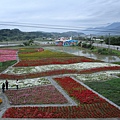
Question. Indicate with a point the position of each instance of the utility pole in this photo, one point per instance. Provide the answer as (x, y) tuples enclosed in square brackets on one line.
[(109, 43), (90, 39)]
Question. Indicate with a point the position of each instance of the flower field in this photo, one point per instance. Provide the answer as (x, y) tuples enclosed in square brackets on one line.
[(45, 61), (27, 82), (36, 89), (90, 105), (38, 57), (30, 50), (79, 92), (97, 76), (36, 95), (76, 66), (31, 74), (7, 55)]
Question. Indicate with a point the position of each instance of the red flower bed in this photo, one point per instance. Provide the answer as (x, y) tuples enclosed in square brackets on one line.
[(87, 96), (107, 68), (94, 111), (36, 95), (78, 91), (47, 61), (34, 75), (99, 109), (58, 72)]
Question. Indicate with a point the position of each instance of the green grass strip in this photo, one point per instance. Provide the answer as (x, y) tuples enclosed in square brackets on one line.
[(109, 89)]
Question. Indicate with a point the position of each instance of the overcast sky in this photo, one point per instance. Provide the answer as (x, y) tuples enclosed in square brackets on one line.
[(72, 13)]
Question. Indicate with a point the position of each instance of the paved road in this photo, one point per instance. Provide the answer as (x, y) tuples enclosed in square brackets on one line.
[(107, 46), (8, 45), (5, 105)]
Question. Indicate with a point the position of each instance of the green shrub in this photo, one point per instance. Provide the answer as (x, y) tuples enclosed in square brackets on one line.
[(4, 65), (103, 51)]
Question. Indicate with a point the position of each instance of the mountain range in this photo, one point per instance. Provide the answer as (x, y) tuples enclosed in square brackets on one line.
[(16, 34), (113, 29)]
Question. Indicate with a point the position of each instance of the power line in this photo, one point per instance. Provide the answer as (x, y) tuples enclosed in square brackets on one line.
[(33, 26), (55, 27), (47, 25)]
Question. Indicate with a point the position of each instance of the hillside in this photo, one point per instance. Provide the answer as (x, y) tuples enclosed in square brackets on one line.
[(16, 34)]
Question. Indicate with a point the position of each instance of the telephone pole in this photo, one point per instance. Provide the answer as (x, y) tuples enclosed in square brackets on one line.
[(109, 43)]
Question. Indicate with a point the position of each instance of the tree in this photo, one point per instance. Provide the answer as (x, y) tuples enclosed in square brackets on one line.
[(113, 40), (101, 42), (28, 43)]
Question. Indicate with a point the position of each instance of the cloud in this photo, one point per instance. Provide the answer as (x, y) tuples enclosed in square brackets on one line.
[(61, 12)]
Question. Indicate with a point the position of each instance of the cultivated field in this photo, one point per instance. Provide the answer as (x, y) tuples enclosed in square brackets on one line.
[(54, 85)]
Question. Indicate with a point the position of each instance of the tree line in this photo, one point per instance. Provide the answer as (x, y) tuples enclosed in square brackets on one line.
[(16, 34), (113, 40)]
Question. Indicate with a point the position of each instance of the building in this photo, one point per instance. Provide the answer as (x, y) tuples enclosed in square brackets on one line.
[(66, 42), (70, 43), (59, 42)]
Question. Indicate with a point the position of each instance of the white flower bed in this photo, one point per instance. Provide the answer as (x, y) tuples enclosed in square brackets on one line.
[(27, 82), (99, 76), (76, 66)]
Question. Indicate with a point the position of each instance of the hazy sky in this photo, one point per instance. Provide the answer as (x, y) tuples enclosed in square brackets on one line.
[(73, 13)]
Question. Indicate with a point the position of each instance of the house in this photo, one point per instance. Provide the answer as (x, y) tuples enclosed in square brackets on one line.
[(66, 42), (70, 43), (59, 42)]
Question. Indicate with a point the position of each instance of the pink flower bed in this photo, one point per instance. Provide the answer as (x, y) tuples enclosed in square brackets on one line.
[(7, 55), (36, 95)]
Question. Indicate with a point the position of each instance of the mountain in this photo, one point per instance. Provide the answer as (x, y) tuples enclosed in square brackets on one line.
[(113, 29), (16, 34), (115, 25), (68, 34)]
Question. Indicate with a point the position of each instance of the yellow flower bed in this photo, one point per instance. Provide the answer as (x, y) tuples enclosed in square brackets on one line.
[(44, 54), (0, 100)]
